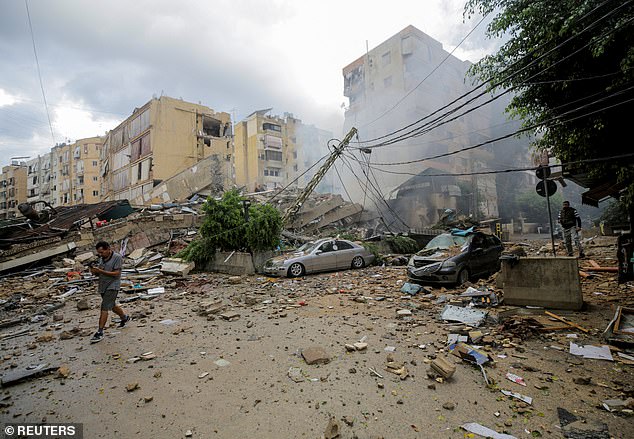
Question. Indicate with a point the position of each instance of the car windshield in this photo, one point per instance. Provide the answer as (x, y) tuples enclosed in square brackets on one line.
[(309, 247), (447, 241)]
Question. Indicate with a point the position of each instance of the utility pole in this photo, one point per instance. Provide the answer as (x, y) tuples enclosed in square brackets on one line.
[(319, 175)]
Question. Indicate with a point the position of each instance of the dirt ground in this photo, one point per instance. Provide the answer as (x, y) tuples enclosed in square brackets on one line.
[(184, 391)]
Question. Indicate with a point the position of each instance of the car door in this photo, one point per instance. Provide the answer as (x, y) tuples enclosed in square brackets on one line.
[(477, 254), (345, 253), (327, 259)]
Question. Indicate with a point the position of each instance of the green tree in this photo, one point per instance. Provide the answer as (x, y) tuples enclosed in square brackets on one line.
[(226, 228), (534, 207), (569, 65)]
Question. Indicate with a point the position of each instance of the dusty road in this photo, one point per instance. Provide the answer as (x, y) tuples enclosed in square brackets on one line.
[(185, 389)]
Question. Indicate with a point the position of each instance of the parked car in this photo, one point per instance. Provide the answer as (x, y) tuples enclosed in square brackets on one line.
[(454, 259), (326, 254)]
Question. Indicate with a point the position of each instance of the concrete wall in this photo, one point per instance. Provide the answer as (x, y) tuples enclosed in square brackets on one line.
[(239, 263), (542, 281)]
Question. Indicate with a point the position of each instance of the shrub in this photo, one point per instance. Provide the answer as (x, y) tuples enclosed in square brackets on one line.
[(226, 229), (402, 244)]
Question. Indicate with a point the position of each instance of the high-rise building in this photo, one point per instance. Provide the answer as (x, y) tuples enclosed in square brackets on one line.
[(403, 80), (267, 155), (159, 140), (12, 189)]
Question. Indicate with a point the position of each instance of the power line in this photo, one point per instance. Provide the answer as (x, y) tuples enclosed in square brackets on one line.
[(508, 170), (524, 129), (428, 75), (427, 127), (39, 74), (500, 82)]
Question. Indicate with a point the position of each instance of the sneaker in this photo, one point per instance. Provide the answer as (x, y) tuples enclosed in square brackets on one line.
[(124, 320), (97, 337)]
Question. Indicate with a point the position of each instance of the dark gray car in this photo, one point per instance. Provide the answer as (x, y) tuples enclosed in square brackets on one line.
[(454, 259)]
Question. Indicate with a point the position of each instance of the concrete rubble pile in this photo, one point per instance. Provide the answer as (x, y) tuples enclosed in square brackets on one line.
[(385, 338)]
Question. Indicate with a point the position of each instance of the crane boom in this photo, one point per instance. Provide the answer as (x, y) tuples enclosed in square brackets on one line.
[(319, 175)]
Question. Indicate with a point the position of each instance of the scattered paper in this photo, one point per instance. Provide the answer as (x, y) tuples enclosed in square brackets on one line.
[(516, 379), (526, 399), (596, 352), (481, 430), (468, 316)]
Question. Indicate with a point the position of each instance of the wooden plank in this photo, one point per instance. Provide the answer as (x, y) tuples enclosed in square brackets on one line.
[(562, 319), (603, 269), (593, 263), (584, 274)]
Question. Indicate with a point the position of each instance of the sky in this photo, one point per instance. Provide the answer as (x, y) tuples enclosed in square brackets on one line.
[(101, 59)]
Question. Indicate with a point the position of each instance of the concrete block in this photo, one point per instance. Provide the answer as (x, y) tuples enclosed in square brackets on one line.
[(542, 281), (176, 266), (443, 367)]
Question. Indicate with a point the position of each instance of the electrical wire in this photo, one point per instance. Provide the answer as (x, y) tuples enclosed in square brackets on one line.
[(500, 82), (39, 73), (521, 130), (427, 127), (428, 75)]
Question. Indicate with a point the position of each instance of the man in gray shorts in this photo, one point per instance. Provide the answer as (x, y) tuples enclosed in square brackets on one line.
[(109, 272)]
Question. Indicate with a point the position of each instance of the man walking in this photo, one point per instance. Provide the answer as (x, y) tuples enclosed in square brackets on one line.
[(571, 223), (109, 272)]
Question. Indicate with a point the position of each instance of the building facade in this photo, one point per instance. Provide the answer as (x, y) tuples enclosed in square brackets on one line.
[(75, 171), (394, 85), (159, 140), (38, 179), (12, 189), (267, 155)]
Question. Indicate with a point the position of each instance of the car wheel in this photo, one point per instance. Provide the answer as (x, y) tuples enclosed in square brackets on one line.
[(463, 277), (296, 270), (357, 262)]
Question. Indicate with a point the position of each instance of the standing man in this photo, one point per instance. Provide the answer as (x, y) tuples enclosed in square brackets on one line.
[(571, 223), (109, 272)]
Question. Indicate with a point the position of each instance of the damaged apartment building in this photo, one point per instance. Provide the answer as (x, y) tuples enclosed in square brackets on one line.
[(161, 141), (388, 88), (267, 154)]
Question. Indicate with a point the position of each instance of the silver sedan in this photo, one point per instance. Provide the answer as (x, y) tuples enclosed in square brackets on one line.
[(323, 255)]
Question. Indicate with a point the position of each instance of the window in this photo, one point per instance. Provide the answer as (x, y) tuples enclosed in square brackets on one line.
[(80, 179), (271, 172), (85, 149), (95, 179), (294, 154), (272, 127), (387, 82), (342, 245), (295, 168), (273, 155), (95, 193), (386, 59), (94, 163)]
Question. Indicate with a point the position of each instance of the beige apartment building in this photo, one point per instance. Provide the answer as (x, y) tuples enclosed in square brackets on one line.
[(267, 155), (159, 140), (12, 189), (75, 171), (394, 85)]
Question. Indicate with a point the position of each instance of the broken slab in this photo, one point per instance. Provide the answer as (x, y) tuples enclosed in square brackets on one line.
[(36, 257), (16, 376), (176, 266), (443, 367), (315, 355)]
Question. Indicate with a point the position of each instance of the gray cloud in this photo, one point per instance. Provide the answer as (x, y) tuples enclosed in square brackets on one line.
[(113, 56)]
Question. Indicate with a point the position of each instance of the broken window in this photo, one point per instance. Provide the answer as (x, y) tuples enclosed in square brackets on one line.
[(135, 153), (211, 127), (145, 145)]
